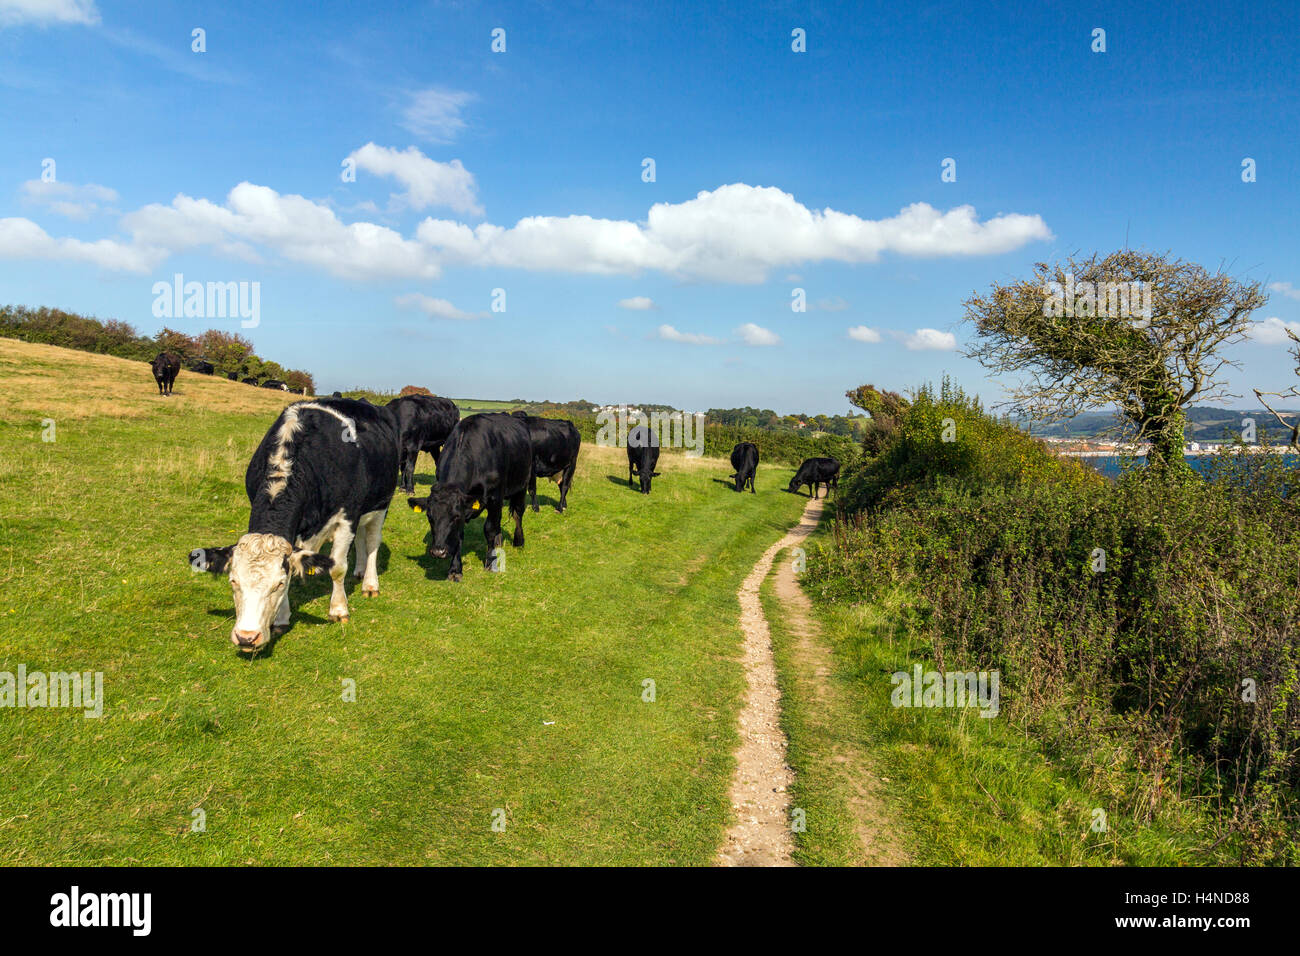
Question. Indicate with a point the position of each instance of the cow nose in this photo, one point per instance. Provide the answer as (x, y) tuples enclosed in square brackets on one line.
[(246, 638), (438, 552)]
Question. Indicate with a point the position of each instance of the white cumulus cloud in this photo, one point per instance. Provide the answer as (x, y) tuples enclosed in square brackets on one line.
[(670, 334), (428, 182), (435, 308), (753, 334), (638, 303), (1285, 288), (68, 199), (862, 333), (930, 340), (1272, 331)]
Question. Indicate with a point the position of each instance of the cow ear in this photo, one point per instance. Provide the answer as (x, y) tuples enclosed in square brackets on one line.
[(655, 474), (309, 562), (418, 505), (470, 506), (212, 560)]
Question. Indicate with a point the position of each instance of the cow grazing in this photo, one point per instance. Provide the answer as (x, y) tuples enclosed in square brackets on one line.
[(423, 424), (250, 381), (555, 454), (203, 368), (165, 369), (486, 460), (814, 471), (744, 458), (233, 376), (275, 383), (325, 470), (642, 456)]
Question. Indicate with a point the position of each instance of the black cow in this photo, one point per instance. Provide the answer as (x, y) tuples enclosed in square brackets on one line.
[(165, 369), (486, 460), (642, 456), (233, 376), (250, 381), (815, 470), (744, 458), (326, 469), (203, 368), (275, 383), (555, 454), (423, 424), (337, 395)]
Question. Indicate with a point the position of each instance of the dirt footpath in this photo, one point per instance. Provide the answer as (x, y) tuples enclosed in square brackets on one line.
[(759, 789)]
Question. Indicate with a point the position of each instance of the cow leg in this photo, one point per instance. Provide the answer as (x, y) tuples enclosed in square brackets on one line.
[(369, 535), (532, 490), (282, 614), (491, 530), (517, 512), (629, 475), (338, 571), (565, 483)]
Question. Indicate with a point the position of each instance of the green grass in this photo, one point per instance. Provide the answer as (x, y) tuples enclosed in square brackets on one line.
[(520, 691), (961, 789)]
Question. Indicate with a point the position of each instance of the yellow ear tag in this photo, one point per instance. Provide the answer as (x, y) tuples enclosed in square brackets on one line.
[(476, 506), (311, 570), (418, 510)]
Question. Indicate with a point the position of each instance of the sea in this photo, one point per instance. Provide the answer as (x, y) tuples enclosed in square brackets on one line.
[(1112, 465)]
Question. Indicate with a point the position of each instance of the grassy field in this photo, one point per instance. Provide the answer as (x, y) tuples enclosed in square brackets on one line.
[(514, 698)]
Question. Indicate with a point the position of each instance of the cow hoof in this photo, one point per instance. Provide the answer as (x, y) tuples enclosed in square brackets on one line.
[(370, 590), (454, 576), (339, 617)]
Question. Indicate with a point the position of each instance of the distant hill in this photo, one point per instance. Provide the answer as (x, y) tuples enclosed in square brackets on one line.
[(1204, 423)]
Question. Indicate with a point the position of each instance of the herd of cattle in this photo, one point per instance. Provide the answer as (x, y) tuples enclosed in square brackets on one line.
[(168, 365), (327, 468)]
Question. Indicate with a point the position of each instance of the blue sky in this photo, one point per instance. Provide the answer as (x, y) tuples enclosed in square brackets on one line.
[(522, 170)]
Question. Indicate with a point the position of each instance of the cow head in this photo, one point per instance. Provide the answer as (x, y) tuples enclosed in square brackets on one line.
[(447, 508), (259, 567), (795, 482), (645, 480)]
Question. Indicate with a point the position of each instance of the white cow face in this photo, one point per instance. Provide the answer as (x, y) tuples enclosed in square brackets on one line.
[(259, 567)]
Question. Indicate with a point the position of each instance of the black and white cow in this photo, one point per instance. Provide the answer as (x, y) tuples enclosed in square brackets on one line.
[(249, 381), (165, 369), (275, 383), (814, 471), (486, 460), (325, 470), (642, 456), (744, 458), (555, 454), (423, 424)]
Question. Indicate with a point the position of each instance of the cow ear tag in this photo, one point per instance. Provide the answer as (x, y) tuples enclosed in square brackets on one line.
[(418, 509), (476, 506)]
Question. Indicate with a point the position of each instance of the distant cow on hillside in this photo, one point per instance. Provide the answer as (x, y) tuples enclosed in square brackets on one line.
[(275, 383), (744, 458), (250, 381), (642, 456), (555, 454), (486, 460), (814, 471), (423, 424), (233, 376), (324, 471), (203, 368), (165, 369)]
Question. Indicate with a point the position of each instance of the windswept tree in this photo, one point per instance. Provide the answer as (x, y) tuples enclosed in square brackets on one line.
[(1137, 331), (886, 410)]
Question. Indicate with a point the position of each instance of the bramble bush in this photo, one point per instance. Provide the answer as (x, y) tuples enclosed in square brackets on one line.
[(1132, 621)]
